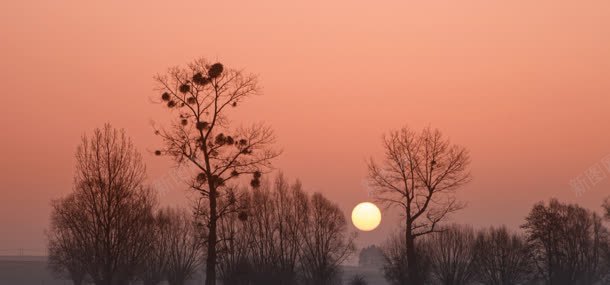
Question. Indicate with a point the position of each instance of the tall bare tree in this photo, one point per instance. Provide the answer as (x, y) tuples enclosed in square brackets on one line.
[(419, 174), (202, 95), (109, 214)]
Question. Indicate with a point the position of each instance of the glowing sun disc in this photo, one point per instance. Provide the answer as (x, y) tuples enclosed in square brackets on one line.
[(366, 216)]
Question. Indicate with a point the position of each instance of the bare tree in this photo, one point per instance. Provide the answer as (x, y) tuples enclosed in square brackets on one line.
[(262, 228), (235, 241), (503, 258), (452, 255), (419, 174), (291, 216), (325, 245), (66, 251), (261, 242), (274, 227), (184, 245), (155, 262), (202, 95), (567, 243), (109, 214), (282, 236)]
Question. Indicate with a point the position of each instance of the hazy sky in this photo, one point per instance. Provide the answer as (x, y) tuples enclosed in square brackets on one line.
[(525, 86)]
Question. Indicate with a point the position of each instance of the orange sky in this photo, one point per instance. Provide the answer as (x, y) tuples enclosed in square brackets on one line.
[(525, 86)]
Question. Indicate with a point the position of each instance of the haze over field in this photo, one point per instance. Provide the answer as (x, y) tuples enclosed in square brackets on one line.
[(523, 85)]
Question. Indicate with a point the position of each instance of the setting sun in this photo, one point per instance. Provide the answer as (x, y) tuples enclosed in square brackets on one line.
[(366, 216)]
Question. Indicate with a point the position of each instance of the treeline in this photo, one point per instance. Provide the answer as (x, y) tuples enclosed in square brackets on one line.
[(110, 230), (278, 234), (560, 244)]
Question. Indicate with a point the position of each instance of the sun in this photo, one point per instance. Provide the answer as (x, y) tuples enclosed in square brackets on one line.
[(366, 216)]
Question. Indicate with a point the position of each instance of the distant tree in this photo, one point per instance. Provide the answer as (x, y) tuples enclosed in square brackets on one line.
[(567, 242), (235, 244), (280, 235), (155, 261), (503, 258), (183, 243), (291, 216), (175, 251), (201, 96), (325, 245), (277, 216), (66, 251), (419, 174), (371, 256), (109, 214), (263, 226), (606, 208), (452, 255)]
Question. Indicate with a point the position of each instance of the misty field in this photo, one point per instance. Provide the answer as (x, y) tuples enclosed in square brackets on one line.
[(33, 270)]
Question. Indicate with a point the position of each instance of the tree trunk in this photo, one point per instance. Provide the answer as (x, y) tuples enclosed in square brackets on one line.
[(412, 270), (210, 272)]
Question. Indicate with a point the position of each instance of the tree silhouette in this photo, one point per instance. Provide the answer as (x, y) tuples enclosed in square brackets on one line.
[(282, 236), (568, 243), (108, 217), (419, 174), (66, 251), (155, 262), (452, 255), (183, 243), (324, 246), (503, 258), (201, 96)]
